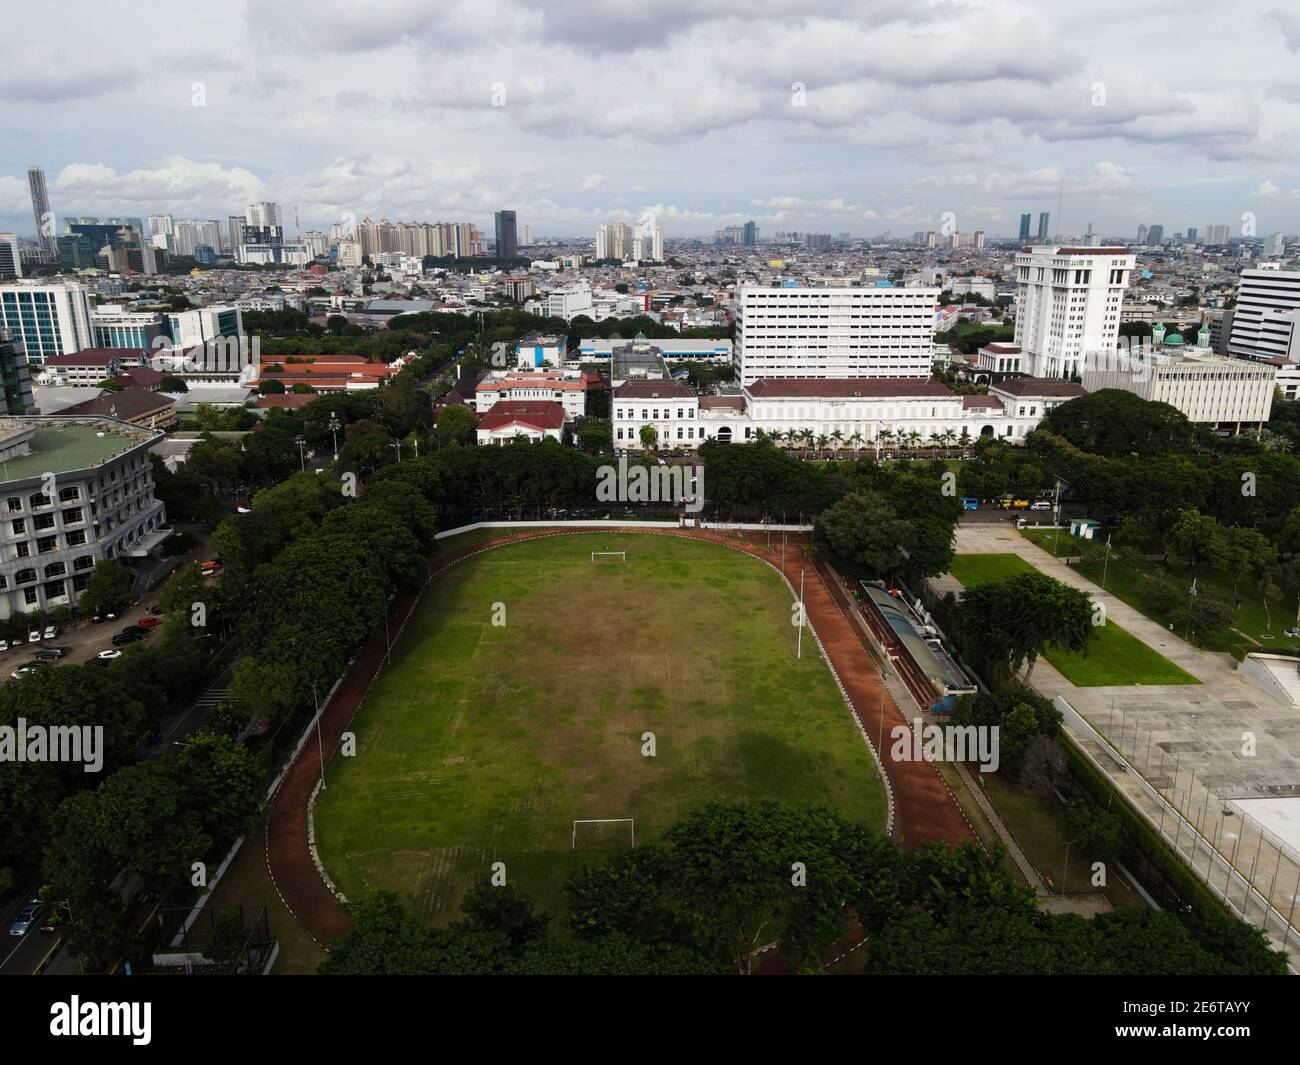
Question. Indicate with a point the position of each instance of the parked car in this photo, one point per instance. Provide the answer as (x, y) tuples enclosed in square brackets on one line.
[(51, 631), (23, 670), (105, 656), (156, 610), (4, 645), (27, 918), (138, 630), (34, 636), (51, 654), (124, 638), (1041, 504), (148, 623)]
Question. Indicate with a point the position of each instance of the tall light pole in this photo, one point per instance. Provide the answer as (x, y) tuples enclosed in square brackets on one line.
[(302, 454), (1105, 565), (334, 430)]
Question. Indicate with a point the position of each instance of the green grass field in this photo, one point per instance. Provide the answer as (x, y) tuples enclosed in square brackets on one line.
[(1253, 625), (1116, 656), (483, 743)]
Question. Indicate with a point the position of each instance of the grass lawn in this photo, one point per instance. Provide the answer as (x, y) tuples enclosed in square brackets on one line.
[(1115, 656), (1038, 824), (1255, 627), (482, 744)]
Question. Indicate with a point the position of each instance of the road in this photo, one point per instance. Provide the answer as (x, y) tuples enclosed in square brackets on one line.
[(19, 956)]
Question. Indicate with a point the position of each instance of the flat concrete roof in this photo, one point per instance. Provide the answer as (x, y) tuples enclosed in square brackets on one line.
[(1281, 816), (69, 447)]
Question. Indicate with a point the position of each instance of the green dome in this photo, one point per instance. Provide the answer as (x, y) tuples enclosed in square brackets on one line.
[(1173, 339)]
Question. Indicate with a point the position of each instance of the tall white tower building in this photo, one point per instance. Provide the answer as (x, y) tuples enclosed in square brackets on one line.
[(1068, 304), (1266, 320)]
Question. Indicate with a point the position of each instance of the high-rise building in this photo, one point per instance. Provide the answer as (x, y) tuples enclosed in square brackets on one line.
[(1273, 246), (837, 331), (978, 239), (47, 319), (1191, 234), (657, 244), (750, 236), (15, 376), (1068, 305), (1142, 233), (1266, 320), (1025, 220), (160, 225), (1044, 220), (604, 242), (262, 214), (1156, 234), (1217, 234), (11, 263), (234, 235), (507, 238), (528, 236), (41, 213)]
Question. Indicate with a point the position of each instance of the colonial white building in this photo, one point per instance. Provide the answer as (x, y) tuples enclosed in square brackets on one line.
[(566, 388), (1068, 304), (875, 330), (847, 412)]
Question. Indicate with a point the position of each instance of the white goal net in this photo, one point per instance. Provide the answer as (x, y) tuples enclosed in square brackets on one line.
[(604, 833), (609, 556)]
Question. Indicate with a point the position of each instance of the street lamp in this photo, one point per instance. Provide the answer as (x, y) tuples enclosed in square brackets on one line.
[(302, 454)]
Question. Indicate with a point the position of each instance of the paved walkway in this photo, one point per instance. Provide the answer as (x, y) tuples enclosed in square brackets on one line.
[(1177, 752), (924, 811)]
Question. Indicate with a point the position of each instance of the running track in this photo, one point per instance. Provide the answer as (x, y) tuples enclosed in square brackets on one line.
[(924, 809)]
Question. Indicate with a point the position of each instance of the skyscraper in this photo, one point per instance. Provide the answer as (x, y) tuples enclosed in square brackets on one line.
[(263, 214), (1025, 220), (1156, 234), (11, 265), (1266, 322), (1044, 219), (47, 319), (751, 235), (1191, 234), (1090, 283), (41, 212), (1142, 233), (507, 235)]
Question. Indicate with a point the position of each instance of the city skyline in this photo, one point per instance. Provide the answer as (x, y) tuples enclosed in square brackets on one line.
[(884, 121)]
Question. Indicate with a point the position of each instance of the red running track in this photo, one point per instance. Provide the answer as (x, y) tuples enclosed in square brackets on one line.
[(924, 810)]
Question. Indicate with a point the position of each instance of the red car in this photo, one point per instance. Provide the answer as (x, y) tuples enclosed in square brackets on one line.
[(148, 623)]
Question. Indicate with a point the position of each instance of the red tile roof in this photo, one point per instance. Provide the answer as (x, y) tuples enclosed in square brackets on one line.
[(849, 387), (535, 413)]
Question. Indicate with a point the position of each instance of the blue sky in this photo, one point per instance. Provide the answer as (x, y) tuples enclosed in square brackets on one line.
[(861, 117)]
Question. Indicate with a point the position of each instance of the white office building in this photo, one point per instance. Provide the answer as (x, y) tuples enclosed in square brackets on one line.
[(1264, 322), (263, 214), (1068, 304), (1207, 388), (838, 331), (47, 319), (11, 263), (569, 301)]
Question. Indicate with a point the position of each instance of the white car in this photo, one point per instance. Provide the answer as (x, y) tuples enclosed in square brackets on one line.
[(34, 636), (1042, 504), (112, 652), (51, 631)]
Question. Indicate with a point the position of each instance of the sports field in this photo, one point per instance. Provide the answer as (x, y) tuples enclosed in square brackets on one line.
[(482, 743), (1116, 656)]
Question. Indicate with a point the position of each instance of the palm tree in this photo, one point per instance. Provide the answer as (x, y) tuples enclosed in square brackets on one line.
[(964, 439), (884, 437), (947, 437), (913, 439), (855, 442), (837, 440), (822, 441)]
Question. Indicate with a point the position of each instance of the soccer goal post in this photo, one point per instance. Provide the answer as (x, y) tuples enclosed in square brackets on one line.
[(598, 556), (604, 831)]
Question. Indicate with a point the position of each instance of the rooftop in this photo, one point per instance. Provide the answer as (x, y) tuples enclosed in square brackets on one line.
[(58, 448), (849, 387)]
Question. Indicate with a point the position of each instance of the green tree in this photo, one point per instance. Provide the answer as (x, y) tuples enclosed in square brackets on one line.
[(109, 587), (1008, 623)]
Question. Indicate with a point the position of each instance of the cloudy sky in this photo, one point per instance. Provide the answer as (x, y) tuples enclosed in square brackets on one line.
[(865, 117)]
